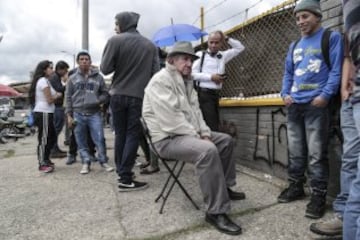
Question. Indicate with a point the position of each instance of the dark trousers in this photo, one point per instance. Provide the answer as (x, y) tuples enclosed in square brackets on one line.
[(209, 105), (46, 136), (145, 147), (126, 112), (59, 121)]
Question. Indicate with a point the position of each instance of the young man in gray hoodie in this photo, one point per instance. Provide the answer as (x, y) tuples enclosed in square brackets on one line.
[(85, 93), (133, 59)]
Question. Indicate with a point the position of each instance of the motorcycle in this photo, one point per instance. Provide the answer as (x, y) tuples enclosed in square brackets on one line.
[(14, 128)]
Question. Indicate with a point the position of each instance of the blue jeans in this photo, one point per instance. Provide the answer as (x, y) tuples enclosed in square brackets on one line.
[(308, 128), (126, 112), (351, 225), (350, 156), (94, 123), (59, 121)]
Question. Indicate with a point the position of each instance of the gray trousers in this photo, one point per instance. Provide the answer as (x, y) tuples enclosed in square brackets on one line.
[(213, 165)]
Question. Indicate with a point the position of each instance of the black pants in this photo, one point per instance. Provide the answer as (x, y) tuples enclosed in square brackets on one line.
[(46, 136), (209, 105)]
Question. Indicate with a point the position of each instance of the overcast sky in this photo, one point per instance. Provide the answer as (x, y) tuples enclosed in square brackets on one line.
[(36, 30)]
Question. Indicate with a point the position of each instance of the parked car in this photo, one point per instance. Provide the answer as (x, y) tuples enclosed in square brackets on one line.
[(7, 108)]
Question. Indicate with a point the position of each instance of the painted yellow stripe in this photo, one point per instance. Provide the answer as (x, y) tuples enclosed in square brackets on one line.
[(251, 102)]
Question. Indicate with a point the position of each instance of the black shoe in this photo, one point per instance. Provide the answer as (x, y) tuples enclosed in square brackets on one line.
[(70, 159), (149, 170), (132, 186), (316, 207), (236, 195), (295, 191), (223, 223)]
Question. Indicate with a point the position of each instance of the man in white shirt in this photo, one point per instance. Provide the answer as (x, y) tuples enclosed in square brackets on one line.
[(209, 74)]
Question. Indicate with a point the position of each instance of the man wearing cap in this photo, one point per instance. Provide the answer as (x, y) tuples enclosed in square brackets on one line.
[(171, 111), (209, 74), (308, 87)]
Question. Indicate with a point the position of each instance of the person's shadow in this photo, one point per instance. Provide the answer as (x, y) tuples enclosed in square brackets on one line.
[(327, 238)]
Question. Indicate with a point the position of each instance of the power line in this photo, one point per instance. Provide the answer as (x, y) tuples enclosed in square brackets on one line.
[(206, 11), (235, 15)]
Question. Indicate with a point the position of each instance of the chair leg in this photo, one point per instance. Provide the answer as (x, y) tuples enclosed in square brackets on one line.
[(174, 180), (161, 194)]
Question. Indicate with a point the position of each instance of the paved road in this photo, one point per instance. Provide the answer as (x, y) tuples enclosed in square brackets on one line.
[(67, 205)]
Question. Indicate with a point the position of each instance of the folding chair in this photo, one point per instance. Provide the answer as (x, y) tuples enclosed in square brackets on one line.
[(174, 172)]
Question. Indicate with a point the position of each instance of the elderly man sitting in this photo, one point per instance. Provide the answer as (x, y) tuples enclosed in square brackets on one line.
[(171, 111)]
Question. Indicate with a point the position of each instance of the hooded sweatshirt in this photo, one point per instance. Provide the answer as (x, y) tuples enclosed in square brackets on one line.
[(132, 57), (85, 95)]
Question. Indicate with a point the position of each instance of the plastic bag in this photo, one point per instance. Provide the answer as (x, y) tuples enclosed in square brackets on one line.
[(30, 119)]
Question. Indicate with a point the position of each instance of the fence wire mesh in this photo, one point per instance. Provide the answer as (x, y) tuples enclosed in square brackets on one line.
[(259, 69)]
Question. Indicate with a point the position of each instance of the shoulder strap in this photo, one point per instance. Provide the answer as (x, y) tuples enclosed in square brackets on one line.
[(325, 46), (202, 60)]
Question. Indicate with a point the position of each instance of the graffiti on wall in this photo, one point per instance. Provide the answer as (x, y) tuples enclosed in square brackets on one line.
[(276, 138)]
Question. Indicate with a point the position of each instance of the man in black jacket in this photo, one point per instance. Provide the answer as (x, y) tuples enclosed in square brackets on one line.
[(133, 59), (58, 81)]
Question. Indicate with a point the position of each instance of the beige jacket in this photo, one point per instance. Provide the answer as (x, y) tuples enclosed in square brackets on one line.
[(167, 108)]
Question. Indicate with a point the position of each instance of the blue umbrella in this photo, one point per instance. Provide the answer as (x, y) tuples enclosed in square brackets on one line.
[(168, 35)]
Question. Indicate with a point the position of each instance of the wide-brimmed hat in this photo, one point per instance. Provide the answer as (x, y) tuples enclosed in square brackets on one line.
[(309, 5), (182, 47)]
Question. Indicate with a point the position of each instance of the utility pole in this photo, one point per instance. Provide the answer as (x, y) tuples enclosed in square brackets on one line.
[(202, 23), (85, 25)]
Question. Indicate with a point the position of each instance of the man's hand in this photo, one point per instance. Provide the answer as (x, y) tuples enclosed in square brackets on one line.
[(70, 121), (218, 78), (345, 94), (288, 100), (319, 102), (206, 138)]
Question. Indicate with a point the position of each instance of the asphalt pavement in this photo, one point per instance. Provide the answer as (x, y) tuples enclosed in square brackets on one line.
[(68, 205)]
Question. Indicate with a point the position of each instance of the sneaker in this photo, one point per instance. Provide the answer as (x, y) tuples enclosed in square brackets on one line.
[(85, 169), (316, 207), (330, 227), (132, 186), (138, 163), (70, 159), (295, 191), (46, 169), (107, 167)]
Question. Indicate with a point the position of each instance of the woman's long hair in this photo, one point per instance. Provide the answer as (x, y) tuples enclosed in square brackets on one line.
[(38, 73)]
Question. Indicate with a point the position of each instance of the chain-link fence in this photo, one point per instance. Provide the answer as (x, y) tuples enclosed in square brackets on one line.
[(259, 69)]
